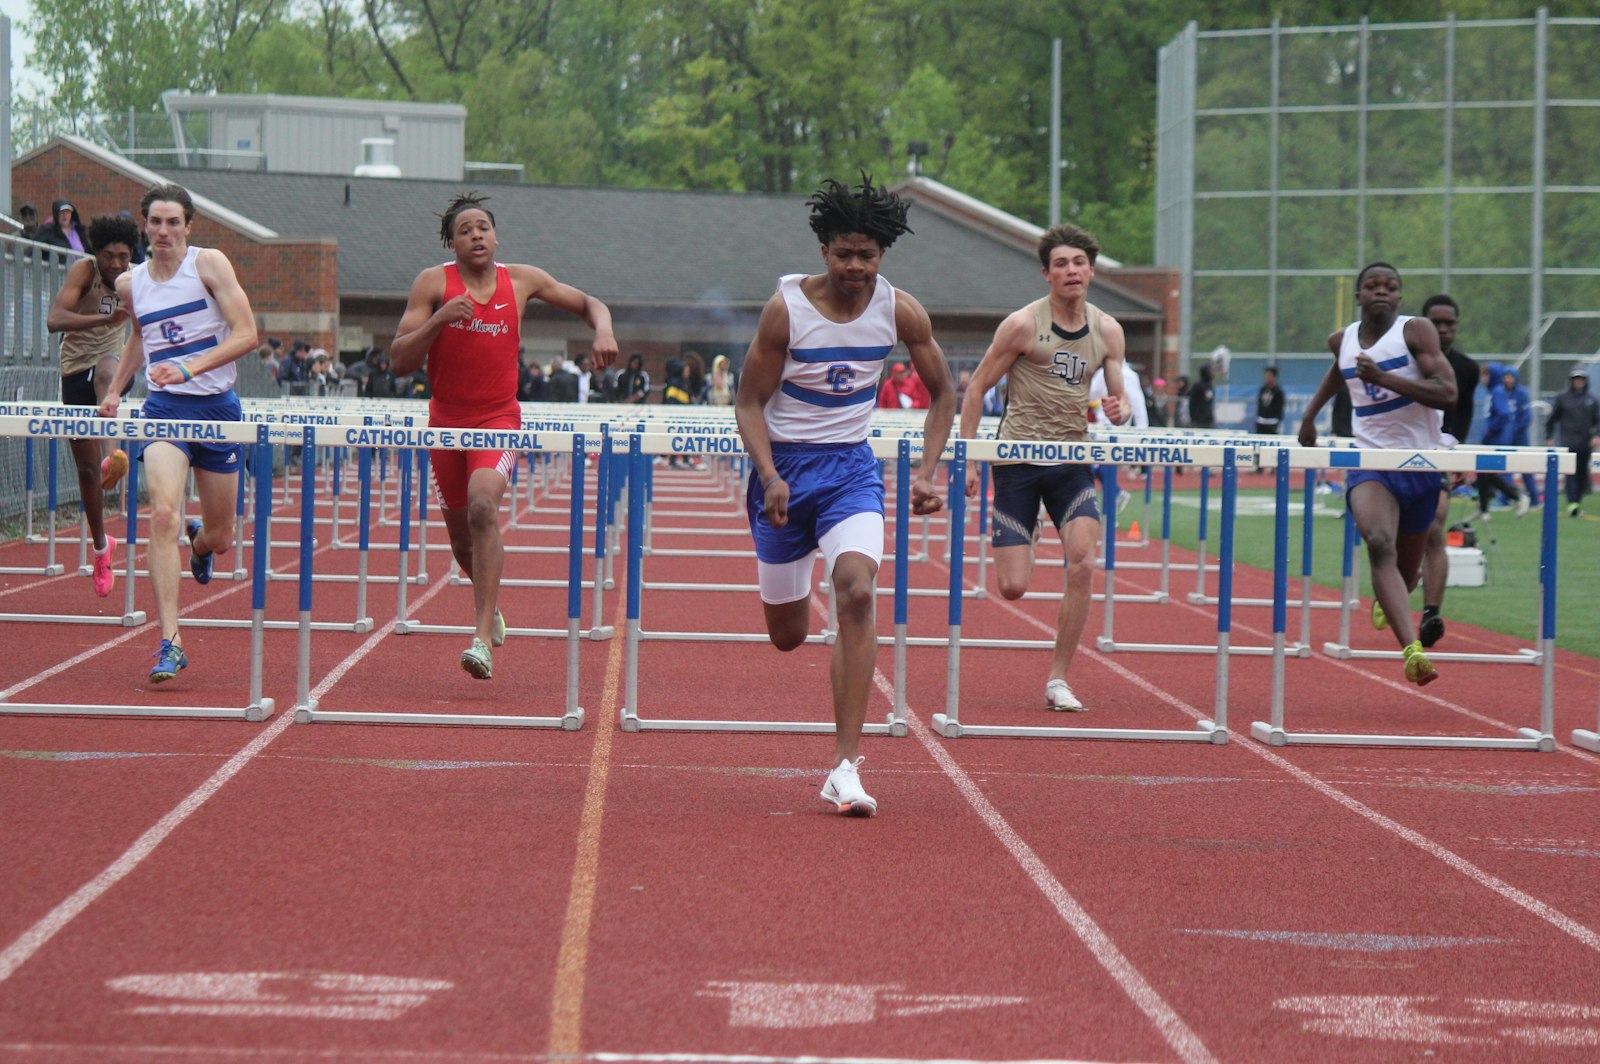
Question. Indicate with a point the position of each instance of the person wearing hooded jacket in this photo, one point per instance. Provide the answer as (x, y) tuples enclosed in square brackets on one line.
[(64, 229), (1509, 413)]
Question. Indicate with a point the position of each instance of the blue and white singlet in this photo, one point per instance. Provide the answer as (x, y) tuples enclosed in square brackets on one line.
[(178, 319), (830, 377), (1385, 419)]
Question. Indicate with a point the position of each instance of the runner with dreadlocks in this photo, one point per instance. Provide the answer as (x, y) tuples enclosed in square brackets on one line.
[(804, 405), (465, 318)]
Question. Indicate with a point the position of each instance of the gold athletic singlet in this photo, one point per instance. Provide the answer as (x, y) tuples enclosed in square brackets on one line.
[(84, 349), (1047, 389)]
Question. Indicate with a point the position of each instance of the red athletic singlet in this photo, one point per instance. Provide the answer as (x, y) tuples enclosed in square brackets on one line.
[(472, 366)]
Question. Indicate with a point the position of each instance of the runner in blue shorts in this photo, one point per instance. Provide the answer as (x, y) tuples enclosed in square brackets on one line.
[(194, 323), (1399, 384), (804, 406)]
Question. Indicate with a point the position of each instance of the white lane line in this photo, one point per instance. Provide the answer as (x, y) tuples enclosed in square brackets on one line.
[(53, 922), (1550, 915), (1184, 1041)]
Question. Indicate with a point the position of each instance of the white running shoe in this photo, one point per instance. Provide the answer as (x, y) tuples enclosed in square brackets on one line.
[(843, 789), (1059, 697), (1523, 504)]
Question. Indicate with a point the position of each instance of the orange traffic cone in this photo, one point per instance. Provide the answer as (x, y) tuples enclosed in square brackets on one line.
[(1133, 531)]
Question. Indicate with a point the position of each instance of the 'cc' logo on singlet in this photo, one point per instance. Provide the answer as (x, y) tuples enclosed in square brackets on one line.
[(840, 378), (172, 332)]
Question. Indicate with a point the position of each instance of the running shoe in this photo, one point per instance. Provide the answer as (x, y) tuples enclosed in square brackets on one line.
[(199, 564), (113, 467), (104, 577), (1574, 510), (1059, 697), (843, 789), (170, 660), (498, 638), (477, 660), (1524, 503), (1419, 670), (1380, 620), (1431, 630)]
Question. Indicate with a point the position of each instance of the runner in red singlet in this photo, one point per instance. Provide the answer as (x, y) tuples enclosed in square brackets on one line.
[(465, 319)]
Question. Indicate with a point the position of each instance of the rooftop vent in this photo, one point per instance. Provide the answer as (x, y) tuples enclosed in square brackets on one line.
[(377, 158)]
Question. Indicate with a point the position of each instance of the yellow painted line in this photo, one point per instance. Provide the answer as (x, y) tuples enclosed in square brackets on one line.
[(572, 963)]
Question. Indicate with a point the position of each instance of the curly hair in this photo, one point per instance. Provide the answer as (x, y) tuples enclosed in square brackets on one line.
[(113, 229), (837, 209), (465, 202), (1067, 236)]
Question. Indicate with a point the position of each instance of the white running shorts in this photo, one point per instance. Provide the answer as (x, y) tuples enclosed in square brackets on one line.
[(791, 581)]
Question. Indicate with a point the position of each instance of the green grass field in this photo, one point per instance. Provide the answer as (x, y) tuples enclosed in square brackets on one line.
[(1508, 602)]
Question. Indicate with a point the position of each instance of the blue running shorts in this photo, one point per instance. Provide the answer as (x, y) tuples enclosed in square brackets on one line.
[(1067, 491), (172, 406), (828, 482), (1417, 494)]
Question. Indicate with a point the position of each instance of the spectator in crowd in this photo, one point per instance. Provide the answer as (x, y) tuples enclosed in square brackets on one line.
[(591, 381), (675, 390), (920, 400), (531, 385), (1510, 413), (994, 400), (64, 229), (723, 384), (295, 371), (1155, 402), (1180, 402), (418, 386), (694, 374), (271, 354), (633, 384), (1269, 404), (1202, 401), (563, 382), (323, 381), (362, 369), (896, 391), (28, 215), (380, 382), (1575, 424)]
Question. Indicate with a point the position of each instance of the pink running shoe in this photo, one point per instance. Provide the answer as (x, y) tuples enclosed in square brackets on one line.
[(104, 577)]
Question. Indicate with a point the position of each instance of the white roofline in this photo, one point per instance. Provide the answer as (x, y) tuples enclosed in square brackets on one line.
[(989, 214), (184, 101), (209, 207)]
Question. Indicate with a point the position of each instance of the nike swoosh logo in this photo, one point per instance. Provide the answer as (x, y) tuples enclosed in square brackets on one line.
[(501, 306)]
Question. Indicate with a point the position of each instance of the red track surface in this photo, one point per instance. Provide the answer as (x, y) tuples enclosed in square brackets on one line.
[(219, 890)]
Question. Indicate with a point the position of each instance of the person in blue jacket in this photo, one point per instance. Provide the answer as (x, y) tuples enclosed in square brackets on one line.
[(1508, 416)]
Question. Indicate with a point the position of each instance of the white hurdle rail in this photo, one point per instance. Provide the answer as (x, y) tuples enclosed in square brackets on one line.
[(407, 441), (81, 424), (1215, 731), (1274, 732), (642, 447)]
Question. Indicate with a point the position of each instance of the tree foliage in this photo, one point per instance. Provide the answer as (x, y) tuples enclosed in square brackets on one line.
[(756, 95)]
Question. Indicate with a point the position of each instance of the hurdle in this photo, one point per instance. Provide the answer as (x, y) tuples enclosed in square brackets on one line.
[(258, 708), (307, 710), (1273, 732), (1214, 731), (642, 447)]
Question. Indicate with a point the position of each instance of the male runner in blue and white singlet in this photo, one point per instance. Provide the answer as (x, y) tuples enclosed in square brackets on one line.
[(805, 402), (194, 323), (1399, 384)]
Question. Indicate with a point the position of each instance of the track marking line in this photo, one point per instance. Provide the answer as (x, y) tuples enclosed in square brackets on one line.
[(1183, 1040), (55, 921), (572, 961), (120, 1053), (1549, 914)]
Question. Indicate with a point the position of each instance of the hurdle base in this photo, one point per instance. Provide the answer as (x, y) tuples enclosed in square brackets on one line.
[(897, 726), (259, 711), (1522, 656), (1205, 732), (43, 709), (1526, 739), (632, 722), (569, 721), (133, 620), (603, 632), (1586, 740), (362, 626)]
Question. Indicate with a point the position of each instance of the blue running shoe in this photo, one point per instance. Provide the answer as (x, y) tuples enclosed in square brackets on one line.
[(199, 564), (170, 660)]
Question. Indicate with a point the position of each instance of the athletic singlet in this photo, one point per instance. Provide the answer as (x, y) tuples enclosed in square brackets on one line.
[(85, 348), (178, 319), (472, 365), (831, 371), (1384, 419), (1047, 390)]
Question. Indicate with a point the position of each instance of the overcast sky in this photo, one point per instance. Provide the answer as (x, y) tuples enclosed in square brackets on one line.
[(23, 78)]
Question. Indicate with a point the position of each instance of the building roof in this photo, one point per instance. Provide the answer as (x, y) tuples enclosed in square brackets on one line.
[(629, 246)]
